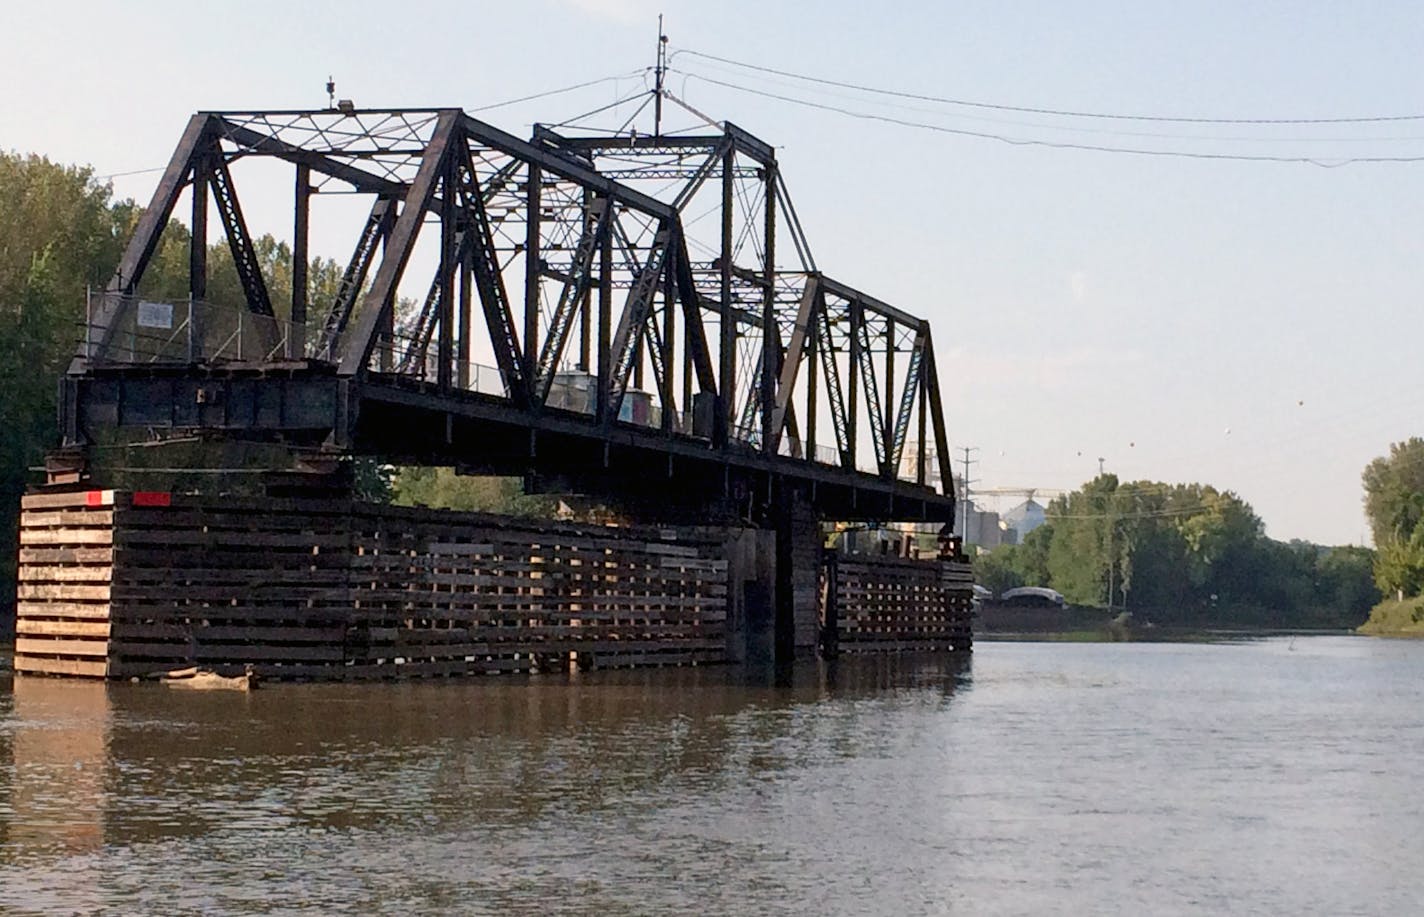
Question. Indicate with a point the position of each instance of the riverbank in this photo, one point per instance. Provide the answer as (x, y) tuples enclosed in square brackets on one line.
[(1394, 618), (1078, 624)]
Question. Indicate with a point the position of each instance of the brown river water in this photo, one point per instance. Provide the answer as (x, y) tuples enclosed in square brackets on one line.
[(1274, 776)]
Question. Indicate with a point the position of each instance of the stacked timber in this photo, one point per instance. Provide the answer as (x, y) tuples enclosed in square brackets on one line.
[(124, 585), (66, 565), (895, 604)]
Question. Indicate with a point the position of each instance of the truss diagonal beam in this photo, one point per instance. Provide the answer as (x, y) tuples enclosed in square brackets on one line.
[(634, 316), (378, 226), (795, 355), (489, 282), (699, 351), (871, 385), (381, 300), (835, 393), (596, 226), (244, 256), (907, 399), (137, 254)]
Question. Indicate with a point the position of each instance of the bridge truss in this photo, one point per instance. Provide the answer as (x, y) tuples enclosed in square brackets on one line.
[(599, 312)]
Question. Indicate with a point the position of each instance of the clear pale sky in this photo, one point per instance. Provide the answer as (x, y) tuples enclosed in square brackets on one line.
[(1085, 304)]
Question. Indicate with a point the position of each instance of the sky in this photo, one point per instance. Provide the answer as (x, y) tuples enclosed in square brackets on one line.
[(1239, 323)]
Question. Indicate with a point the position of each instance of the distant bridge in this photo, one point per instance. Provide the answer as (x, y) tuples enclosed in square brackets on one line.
[(636, 315)]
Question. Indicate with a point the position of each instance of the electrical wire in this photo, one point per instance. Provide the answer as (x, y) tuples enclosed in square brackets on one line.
[(1036, 110), (555, 92), (1056, 144), (1069, 127)]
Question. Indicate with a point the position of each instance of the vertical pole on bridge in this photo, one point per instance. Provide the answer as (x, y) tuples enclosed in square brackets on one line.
[(198, 250), (769, 363), (533, 272), (727, 372)]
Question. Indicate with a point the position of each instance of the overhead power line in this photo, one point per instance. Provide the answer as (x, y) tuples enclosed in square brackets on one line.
[(1056, 144), (1038, 110), (561, 91)]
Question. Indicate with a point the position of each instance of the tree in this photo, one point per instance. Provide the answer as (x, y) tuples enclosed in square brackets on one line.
[(1394, 491), (58, 235), (1394, 505)]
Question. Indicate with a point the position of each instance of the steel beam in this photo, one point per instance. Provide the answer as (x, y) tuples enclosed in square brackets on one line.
[(373, 233), (358, 344)]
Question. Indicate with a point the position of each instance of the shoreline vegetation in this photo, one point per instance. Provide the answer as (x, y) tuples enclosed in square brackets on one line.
[(1396, 618), (1185, 556)]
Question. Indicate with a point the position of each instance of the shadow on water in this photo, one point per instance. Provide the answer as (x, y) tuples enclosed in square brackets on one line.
[(93, 765)]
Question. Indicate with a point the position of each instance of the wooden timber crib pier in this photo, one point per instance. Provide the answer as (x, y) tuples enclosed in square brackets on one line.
[(117, 584)]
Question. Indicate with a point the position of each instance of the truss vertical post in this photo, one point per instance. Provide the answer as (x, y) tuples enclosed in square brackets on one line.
[(888, 416), (812, 336), (942, 456), (533, 270), (465, 321), (586, 296), (727, 331), (921, 444), (449, 258), (669, 374), (769, 332), (296, 338), (853, 381), (605, 322), (198, 246)]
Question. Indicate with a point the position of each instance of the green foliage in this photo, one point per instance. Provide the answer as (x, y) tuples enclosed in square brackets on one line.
[(442, 488), (1394, 504), (1188, 548), (1396, 618), (58, 234)]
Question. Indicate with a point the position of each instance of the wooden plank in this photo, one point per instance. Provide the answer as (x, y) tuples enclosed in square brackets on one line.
[(94, 518), (63, 592), (64, 573), (65, 555), (43, 609), (65, 537), (41, 501), (55, 646), (80, 668), (27, 627)]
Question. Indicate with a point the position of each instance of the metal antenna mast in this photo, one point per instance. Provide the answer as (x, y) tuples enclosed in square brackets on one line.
[(659, 72)]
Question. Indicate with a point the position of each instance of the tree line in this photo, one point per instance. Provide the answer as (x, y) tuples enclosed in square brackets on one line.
[(62, 232), (1182, 553)]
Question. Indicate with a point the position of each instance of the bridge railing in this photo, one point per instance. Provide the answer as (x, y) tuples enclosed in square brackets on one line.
[(125, 329)]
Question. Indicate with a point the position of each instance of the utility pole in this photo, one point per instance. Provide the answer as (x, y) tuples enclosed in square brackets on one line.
[(964, 513), (659, 72)]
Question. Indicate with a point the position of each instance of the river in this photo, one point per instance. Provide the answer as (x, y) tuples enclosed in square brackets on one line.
[(1271, 776)]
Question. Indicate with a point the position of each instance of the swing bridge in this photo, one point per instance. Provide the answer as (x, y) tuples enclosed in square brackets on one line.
[(637, 315)]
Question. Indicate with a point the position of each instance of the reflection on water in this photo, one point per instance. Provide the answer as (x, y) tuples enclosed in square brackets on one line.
[(1045, 778)]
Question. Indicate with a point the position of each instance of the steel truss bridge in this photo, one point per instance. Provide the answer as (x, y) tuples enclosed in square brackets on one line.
[(637, 315)]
